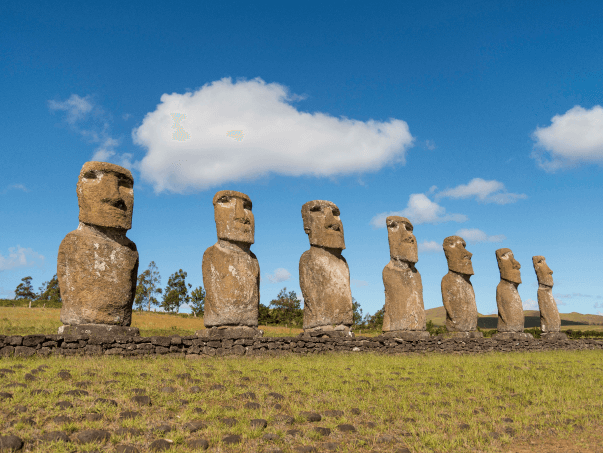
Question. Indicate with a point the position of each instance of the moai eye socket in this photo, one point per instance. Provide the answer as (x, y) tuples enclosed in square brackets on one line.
[(90, 174), (335, 212), (247, 205), (224, 199), (315, 209), (125, 182)]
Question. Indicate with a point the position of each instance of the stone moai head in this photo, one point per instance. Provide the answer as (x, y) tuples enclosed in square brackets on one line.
[(105, 194), (508, 266), (402, 242), (234, 219), (322, 224), (458, 257), (544, 274)]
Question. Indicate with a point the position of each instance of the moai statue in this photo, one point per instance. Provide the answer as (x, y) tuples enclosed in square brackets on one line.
[(550, 321), (231, 273), (457, 291), (404, 315), (510, 307), (97, 264), (324, 276)]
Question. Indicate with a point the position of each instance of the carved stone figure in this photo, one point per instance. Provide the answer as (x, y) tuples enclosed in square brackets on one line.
[(324, 276), (404, 314), (510, 308), (231, 273), (457, 291), (97, 264), (550, 321)]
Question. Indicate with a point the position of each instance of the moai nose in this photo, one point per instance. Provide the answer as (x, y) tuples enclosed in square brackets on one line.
[(239, 210), (110, 188)]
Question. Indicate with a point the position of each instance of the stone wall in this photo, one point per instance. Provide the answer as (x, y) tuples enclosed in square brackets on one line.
[(192, 347)]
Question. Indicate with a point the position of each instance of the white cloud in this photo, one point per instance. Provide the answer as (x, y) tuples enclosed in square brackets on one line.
[(576, 136), (188, 146), (484, 191), (530, 304), (475, 236), (15, 187), (430, 145), (420, 209), (20, 257), (280, 275), (358, 283), (76, 107), (430, 247)]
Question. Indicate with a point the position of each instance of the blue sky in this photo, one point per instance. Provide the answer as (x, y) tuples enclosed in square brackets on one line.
[(482, 118)]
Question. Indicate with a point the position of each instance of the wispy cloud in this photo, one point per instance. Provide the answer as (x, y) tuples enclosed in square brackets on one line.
[(275, 138), (358, 283), (475, 236), (76, 108), (20, 257), (572, 138), (430, 247), (530, 304), (15, 187), (279, 275), (483, 191)]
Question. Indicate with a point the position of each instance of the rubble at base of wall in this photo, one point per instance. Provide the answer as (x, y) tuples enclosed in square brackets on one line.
[(193, 347)]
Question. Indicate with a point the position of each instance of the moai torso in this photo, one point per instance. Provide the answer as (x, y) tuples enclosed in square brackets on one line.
[(458, 296), (404, 309), (510, 307), (97, 264), (550, 321), (231, 273), (324, 276)]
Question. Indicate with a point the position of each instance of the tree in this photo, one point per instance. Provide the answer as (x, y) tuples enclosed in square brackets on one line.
[(287, 308), (24, 290), (197, 301), (357, 316), (375, 321), (49, 291), (146, 288), (176, 292)]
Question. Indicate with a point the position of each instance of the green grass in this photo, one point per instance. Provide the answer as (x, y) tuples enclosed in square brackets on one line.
[(422, 402)]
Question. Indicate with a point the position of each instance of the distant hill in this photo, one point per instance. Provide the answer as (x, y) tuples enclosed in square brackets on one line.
[(532, 318)]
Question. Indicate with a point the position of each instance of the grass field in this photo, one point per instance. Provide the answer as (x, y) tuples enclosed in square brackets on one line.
[(441, 403)]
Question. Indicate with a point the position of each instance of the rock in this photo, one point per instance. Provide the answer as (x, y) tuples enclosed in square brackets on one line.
[(83, 384), (331, 446), (141, 400), (258, 423), (160, 445), (128, 432), (458, 295), (127, 415), (97, 264), (324, 275), (105, 401), (10, 443), (126, 449), (195, 389), (64, 375), (197, 444), (253, 406), (248, 396), (20, 409), (93, 417), (230, 270), (276, 396), (64, 404), (284, 419), (217, 387), (464, 426), (404, 309), (55, 436), (29, 377), (304, 449), (61, 419), (194, 426), (6, 395), (508, 300), (311, 416), (345, 428), (168, 390), (184, 402), (386, 439), (230, 422), (232, 439), (163, 429), (321, 431), (355, 411), (92, 435), (333, 413), (269, 437), (77, 393)]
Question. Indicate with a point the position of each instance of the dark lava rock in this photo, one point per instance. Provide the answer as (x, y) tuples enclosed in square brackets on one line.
[(163, 429), (277, 406), (6, 395), (248, 396), (29, 377), (93, 417), (304, 449), (111, 381), (105, 401), (26, 421), (11, 442), (385, 439), (184, 402), (331, 446), (258, 423), (230, 422), (64, 375), (276, 396), (346, 428), (232, 439), (125, 415), (270, 436), (60, 419), (139, 391), (141, 400), (40, 392), (494, 435), (168, 390), (92, 435), (83, 384), (311, 416), (333, 413), (55, 436), (144, 375), (197, 444), (217, 387), (20, 409), (195, 389), (194, 426), (6, 371), (184, 376), (128, 432), (77, 393), (251, 405), (464, 426), (293, 432), (507, 420), (355, 411), (322, 431), (126, 449), (17, 384), (160, 445), (284, 419), (402, 450), (199, 410)]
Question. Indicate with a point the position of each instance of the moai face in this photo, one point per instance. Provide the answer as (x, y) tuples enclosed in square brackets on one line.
[(105, 195), (234, 219), (322, 224), (508, 266), (458, 257), (543, 271), (402, 242)]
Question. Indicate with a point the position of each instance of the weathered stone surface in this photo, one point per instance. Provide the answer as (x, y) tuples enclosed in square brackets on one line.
[(472, 334), (97, 264), (404, 309), (231, 273), (227, 332), (512, 336), (99, 330), (457, 291), (550, 321), (324, 276), (510, 307), (10, 443), (92, 435), (407, 335)]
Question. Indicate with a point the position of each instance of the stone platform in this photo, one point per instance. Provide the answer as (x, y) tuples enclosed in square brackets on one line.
[(234, 332), (512, 336), (95, 330), (409, 335)]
